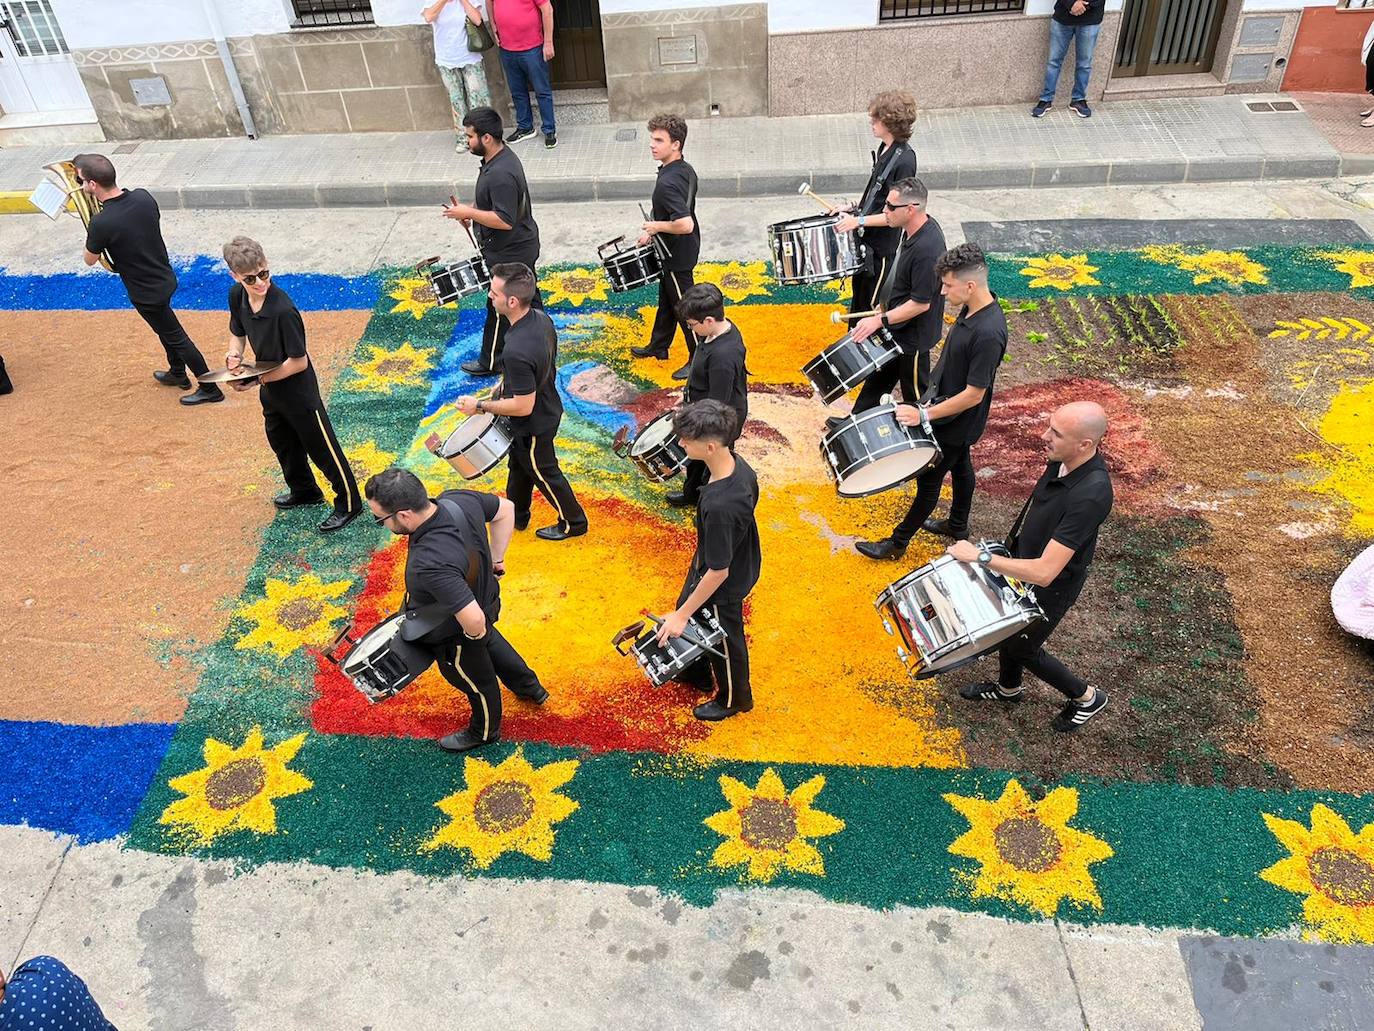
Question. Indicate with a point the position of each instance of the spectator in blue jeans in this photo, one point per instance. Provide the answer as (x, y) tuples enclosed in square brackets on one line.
[(524, 31), (1077, 22)]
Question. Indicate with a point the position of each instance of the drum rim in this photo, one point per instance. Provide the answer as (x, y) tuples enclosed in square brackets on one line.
[(811, 221)]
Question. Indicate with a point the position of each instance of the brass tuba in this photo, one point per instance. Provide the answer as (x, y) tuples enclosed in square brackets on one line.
[(81, 203)]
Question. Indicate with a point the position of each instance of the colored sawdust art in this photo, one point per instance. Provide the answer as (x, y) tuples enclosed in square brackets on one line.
[(1222, 788)]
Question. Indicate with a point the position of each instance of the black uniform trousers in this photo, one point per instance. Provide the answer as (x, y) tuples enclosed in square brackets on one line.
[(1026, 651), (911, 371), (182, 353), (731, 674), (533, 462), (671, 286), (511, 669), (467, 666), (865, 285), (959, 465), (299, 435), (494, 330)]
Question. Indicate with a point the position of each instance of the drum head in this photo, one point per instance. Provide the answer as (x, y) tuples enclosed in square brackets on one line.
[(468, 430), (374, 641), (886, 473), (654, 434)]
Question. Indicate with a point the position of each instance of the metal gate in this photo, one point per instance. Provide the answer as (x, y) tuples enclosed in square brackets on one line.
[(1168, 37), (579, 60), (37, 73)]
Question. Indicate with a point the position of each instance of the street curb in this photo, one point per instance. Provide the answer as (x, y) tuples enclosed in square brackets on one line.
[(16, 202)]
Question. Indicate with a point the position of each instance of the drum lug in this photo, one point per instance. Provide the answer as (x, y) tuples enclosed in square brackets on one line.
[(902, 653), (888, 627)]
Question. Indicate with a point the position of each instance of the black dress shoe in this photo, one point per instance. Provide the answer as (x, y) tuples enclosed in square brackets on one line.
[(944, 528), (464, 741), (649, 352), (288, 500), (477, 369), (208, 394), (536, 697), (679, 500), (558, 533), (681, 374), (522, 522), (885, 548), (713, 711), (339, 520), (172, 379)]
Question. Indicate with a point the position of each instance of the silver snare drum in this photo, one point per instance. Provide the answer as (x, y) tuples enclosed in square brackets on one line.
[(380, 664), (661, 664), (848, 362), (812, 250), (872, 452), (656, 449), (458, 279), (477, 445), (949, 613)]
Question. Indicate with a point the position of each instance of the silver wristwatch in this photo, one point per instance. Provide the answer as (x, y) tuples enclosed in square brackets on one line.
[(984, 557)]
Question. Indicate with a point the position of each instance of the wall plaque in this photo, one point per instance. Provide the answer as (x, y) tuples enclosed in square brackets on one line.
[(151, 92), (677, 50)]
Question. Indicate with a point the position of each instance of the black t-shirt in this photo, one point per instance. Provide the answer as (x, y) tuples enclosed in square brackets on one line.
[(529, 365), (973, 350), (1092, 16), (501, 188), (717, 372), (882, 240), (130, 228), (1068, 509), (276, 333), (727, 535), (913, 278), (675, 196), (448, 560)]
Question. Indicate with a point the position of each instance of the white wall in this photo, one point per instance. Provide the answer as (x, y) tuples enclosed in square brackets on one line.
[(1284, 5), (101, 23)]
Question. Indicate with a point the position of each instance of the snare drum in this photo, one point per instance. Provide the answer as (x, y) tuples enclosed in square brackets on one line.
[(662, 664), (872, 452), (656, 450), (948, 613), (848, 362), (478, 444), (458, 279), (812, 250), (631, 266), (380, 663)]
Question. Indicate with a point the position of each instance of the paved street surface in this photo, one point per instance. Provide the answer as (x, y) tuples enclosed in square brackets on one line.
[(171, 943), (1145, 141)]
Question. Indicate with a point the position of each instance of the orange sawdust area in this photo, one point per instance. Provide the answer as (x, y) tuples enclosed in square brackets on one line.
[(132, 519)]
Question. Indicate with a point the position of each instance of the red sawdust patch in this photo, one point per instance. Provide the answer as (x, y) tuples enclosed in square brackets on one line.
[(136, 517)]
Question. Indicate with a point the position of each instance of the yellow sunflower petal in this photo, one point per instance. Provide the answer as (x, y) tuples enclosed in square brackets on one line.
[(1328, 828), (739, 795), (1058, 807), (805, 793), (770, 786), (726, 822), (286, 751), (731, 852), (555, 774), (1291, 834), (812, 823), (804, 857)]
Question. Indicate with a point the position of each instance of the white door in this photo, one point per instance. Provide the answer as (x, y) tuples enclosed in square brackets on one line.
[(37, 73)]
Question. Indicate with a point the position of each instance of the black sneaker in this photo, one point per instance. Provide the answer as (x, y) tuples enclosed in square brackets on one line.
[(550, 141), (1081, 108), (1039, 110), (1073, 715), (989, 692), (520, 134), (944, 528)]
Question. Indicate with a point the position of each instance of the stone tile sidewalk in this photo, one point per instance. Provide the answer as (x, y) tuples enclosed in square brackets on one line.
[(1142, 141)]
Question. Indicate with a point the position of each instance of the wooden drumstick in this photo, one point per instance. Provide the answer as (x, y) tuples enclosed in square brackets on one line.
[(839, 316), (453, 201), (660, 248), (805, 190)]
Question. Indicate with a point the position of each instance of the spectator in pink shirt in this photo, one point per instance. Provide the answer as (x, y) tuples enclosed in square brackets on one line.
[(524, 31)]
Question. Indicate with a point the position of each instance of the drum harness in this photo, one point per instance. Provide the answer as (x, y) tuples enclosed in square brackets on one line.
[(876, 186), (421, 621)]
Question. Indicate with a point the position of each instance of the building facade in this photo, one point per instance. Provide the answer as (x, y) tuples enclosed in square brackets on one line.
[(197, 68)]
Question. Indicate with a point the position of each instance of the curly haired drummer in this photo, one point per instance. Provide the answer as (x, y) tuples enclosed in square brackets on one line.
[(1052, 546), (891, 115), (725, 565), (674, 223)]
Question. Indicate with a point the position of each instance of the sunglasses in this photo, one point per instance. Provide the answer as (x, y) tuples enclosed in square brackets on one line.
[(889, 206), (380, 520), (253, 277), (79, 180)]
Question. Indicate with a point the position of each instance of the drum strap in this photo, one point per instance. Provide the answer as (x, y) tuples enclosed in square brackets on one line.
[(1016, 526), (422, 621), (876, 186)]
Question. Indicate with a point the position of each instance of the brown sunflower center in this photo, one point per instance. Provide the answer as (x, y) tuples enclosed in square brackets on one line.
[(298, 613), (1061, 271), (1342, 876), (503, 807), (1366, 268), (735, 281), (235, 783), (1231, 268), (1027, 844), (424, 294), (578, 284), (768, 823), (393, 367)]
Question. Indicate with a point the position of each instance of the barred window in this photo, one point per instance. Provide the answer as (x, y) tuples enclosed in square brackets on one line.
[(1356, 5), (33, 28), (312, 13), (902, 10)]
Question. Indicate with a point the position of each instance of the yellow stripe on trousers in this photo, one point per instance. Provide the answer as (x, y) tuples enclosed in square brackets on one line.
[(486, 716), (729, 675), (354, 502)]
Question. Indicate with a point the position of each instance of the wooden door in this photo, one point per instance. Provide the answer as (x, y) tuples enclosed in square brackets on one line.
[(579, 61), (1168, 37)]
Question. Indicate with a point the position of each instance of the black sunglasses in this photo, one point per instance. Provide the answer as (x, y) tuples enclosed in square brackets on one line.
[(253, 277), (889, 206), (380, 520)]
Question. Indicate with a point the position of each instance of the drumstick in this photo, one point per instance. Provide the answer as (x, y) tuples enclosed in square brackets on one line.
[(839, 316), (466, 228), (805, 190), (660, 247)]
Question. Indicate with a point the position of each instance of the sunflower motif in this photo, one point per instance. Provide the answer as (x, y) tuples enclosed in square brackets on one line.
[(1061, 271), (1333, 867), (575, 286), (506, 808), (366, 460), (1358, 265), (1027, 851), (236, 787), (766, 828), (293, 614), (1230, 267), (414, 296), (737, 280), (385, 370)]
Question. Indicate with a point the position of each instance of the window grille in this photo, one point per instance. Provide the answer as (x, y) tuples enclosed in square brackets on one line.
[(33, 28), (329, 13), (904, 10)]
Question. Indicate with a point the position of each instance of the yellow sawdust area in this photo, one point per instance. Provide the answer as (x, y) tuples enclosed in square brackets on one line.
[(1349, 427), (132, 518)]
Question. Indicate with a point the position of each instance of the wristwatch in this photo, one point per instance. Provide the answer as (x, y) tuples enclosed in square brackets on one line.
[(886, 323), (984, 557), (480, 408)]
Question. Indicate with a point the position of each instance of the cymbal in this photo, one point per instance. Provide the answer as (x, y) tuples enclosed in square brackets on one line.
[(245, 371)]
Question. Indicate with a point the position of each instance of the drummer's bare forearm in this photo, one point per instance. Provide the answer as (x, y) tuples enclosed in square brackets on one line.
[(522, 405), (236, 346), (678, 227), (960, 402), (906, 311), (473, 621), (502, 529), (490, 219), (1040, 571), (708, 586), (89, 258), (287, 368)]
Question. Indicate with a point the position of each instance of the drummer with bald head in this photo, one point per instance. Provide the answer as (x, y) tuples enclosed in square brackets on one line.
[(1052, 546)]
